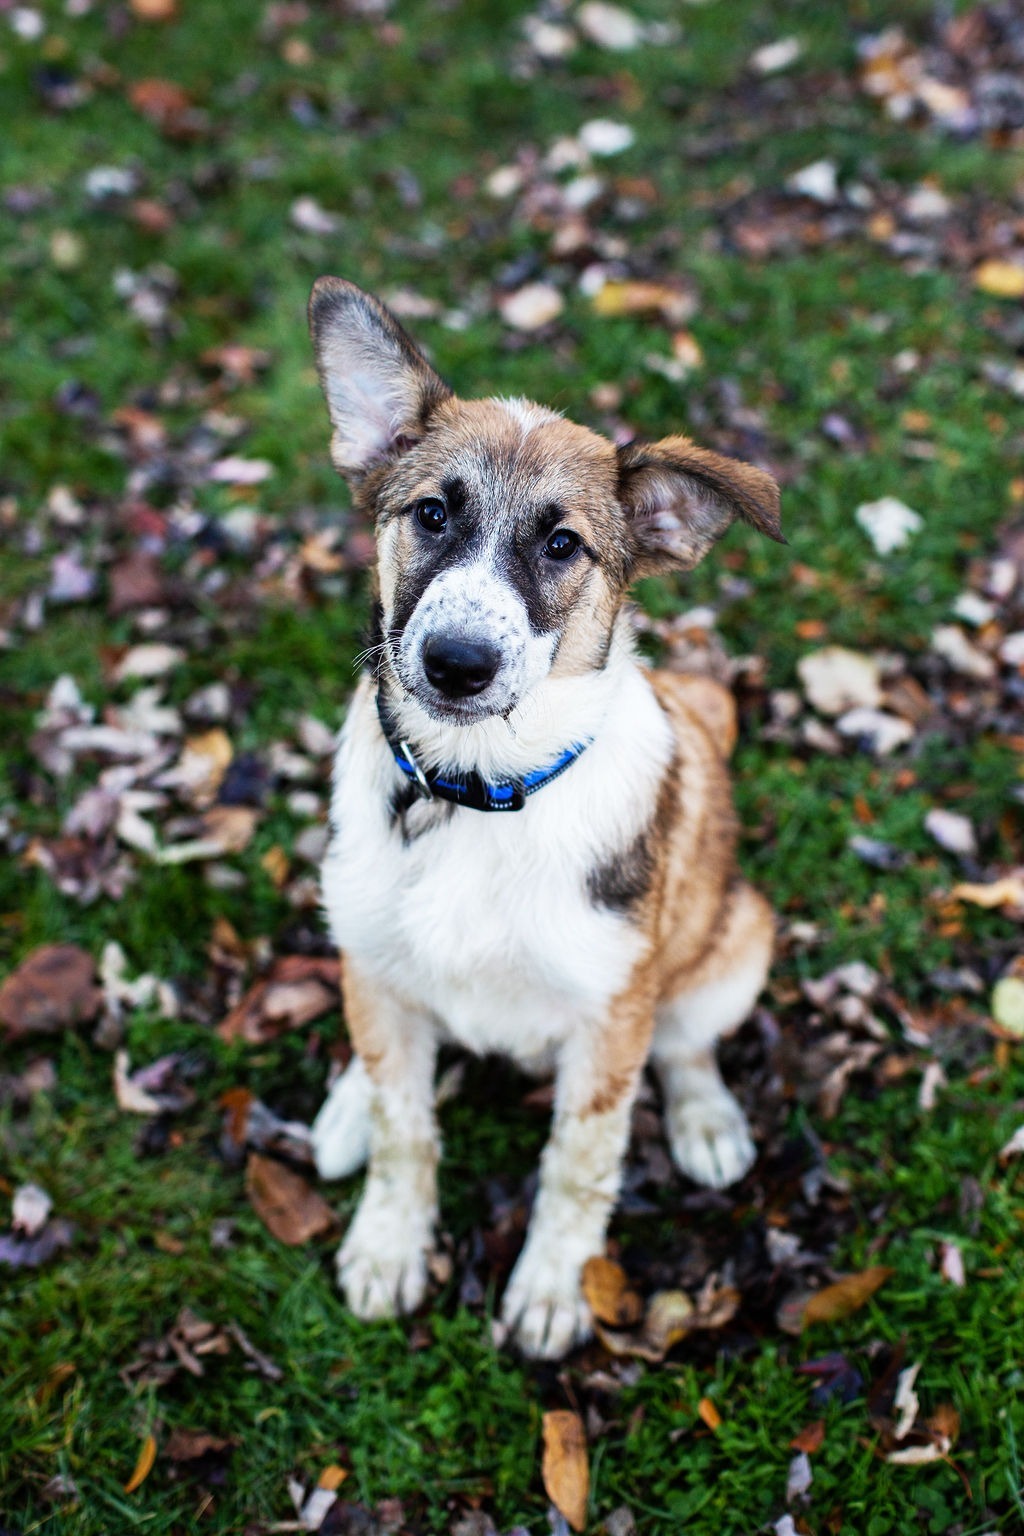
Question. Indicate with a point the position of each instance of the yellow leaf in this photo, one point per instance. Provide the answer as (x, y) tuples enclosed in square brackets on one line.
[(332, 1477), (708, 1413), (144, 1465), (275, 862), (1005, 892), (564, 1465), (845, 1296), (608, 1294), (1003, 279)]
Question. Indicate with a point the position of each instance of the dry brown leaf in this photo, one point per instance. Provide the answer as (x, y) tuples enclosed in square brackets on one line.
[(564, 1466), (190, 1444), (944, 1423), (608, 1293), (144, 1465), (670, 1316), (54, 988), (845, 1296), (299, 988), (810, 1438), (288, 1207), (708, 1413)]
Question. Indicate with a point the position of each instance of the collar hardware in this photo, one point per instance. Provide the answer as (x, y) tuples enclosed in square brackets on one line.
[(469, 788)]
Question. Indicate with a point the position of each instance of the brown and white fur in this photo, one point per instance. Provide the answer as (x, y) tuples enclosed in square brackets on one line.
[(603, 925)]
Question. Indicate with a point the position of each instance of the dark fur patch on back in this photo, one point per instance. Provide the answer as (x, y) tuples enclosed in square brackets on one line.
[(622, 882)]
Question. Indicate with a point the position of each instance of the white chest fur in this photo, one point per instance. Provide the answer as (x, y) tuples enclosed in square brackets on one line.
[(485, 920)]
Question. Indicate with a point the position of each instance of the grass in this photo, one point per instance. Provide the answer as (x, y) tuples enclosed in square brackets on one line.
[(437, 1416)]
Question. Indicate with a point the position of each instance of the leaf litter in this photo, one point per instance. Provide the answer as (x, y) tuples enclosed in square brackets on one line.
[(152, 777)]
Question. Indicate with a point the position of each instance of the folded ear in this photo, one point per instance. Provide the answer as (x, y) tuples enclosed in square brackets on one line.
[(380, 388), (679, 499)]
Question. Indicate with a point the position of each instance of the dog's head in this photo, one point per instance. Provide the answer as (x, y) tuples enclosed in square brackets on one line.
[(507, 537)]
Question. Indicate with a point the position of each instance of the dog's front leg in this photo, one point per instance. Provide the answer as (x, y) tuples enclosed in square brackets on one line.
[(598, 1074), (382, 1264)]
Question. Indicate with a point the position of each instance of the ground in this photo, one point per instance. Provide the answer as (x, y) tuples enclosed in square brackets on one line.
[(857, 332)]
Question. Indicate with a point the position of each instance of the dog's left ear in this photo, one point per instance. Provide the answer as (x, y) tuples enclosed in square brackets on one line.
[(679, 499), (380, 388)]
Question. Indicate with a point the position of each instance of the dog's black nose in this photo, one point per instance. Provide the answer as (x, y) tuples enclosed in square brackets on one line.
[(459, 668)]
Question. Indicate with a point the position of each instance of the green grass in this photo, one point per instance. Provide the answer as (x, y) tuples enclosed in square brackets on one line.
[(436, 1416)]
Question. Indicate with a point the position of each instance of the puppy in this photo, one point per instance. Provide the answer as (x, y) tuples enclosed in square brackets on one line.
[(532, 844)]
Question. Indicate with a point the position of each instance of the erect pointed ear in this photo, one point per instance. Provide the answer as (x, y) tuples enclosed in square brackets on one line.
[(380, 388), (679, 499)]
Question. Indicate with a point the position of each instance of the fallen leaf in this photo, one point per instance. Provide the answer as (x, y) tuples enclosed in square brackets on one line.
[(951, 831), (54, 988), (809, 1439), (906, 1402), (154, 10), (1008, 891), (609, 26), (531, 307), (564, 1466), (332, 1477), (144, 1465), (609, 1295), (888, 523), (708, 1413), (289, 1208), (299, 988), (153, 658), (952, 1265), (190, 1444), (799, 1477), (1002, 279), (624, 297), (1014, 1147), (30, 1209), (1008, 1005), (837, 680), (846, 1296)]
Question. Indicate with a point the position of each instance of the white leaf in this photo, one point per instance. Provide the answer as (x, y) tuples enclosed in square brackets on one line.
[(888, 523), (30, 1209), (531, 307), (951, 831), (836, 679)]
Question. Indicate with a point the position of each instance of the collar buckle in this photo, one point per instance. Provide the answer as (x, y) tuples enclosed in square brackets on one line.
[(419, 777)]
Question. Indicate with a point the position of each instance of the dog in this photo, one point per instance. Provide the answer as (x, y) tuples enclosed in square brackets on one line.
[(532, 834)]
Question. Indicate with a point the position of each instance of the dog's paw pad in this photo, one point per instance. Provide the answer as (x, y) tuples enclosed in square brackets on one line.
[(711, 1141), (377, 1286)]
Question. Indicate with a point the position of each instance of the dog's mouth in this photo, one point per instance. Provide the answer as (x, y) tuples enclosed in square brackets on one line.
[(468, 710)]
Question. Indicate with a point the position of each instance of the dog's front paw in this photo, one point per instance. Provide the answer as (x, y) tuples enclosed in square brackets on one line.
[(382, 1279), (382, 1264), (544, 1307), (710, 1140)]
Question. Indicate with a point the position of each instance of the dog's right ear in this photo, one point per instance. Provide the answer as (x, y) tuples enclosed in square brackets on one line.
[(380, 388)]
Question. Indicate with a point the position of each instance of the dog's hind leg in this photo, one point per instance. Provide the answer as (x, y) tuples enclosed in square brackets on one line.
[(706, 1128), (341, 1131)]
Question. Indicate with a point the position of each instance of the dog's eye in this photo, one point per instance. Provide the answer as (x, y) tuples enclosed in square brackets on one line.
[(432, 514), (562, 544)]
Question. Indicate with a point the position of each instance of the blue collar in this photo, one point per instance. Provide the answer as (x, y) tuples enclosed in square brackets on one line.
[(468, 788)]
